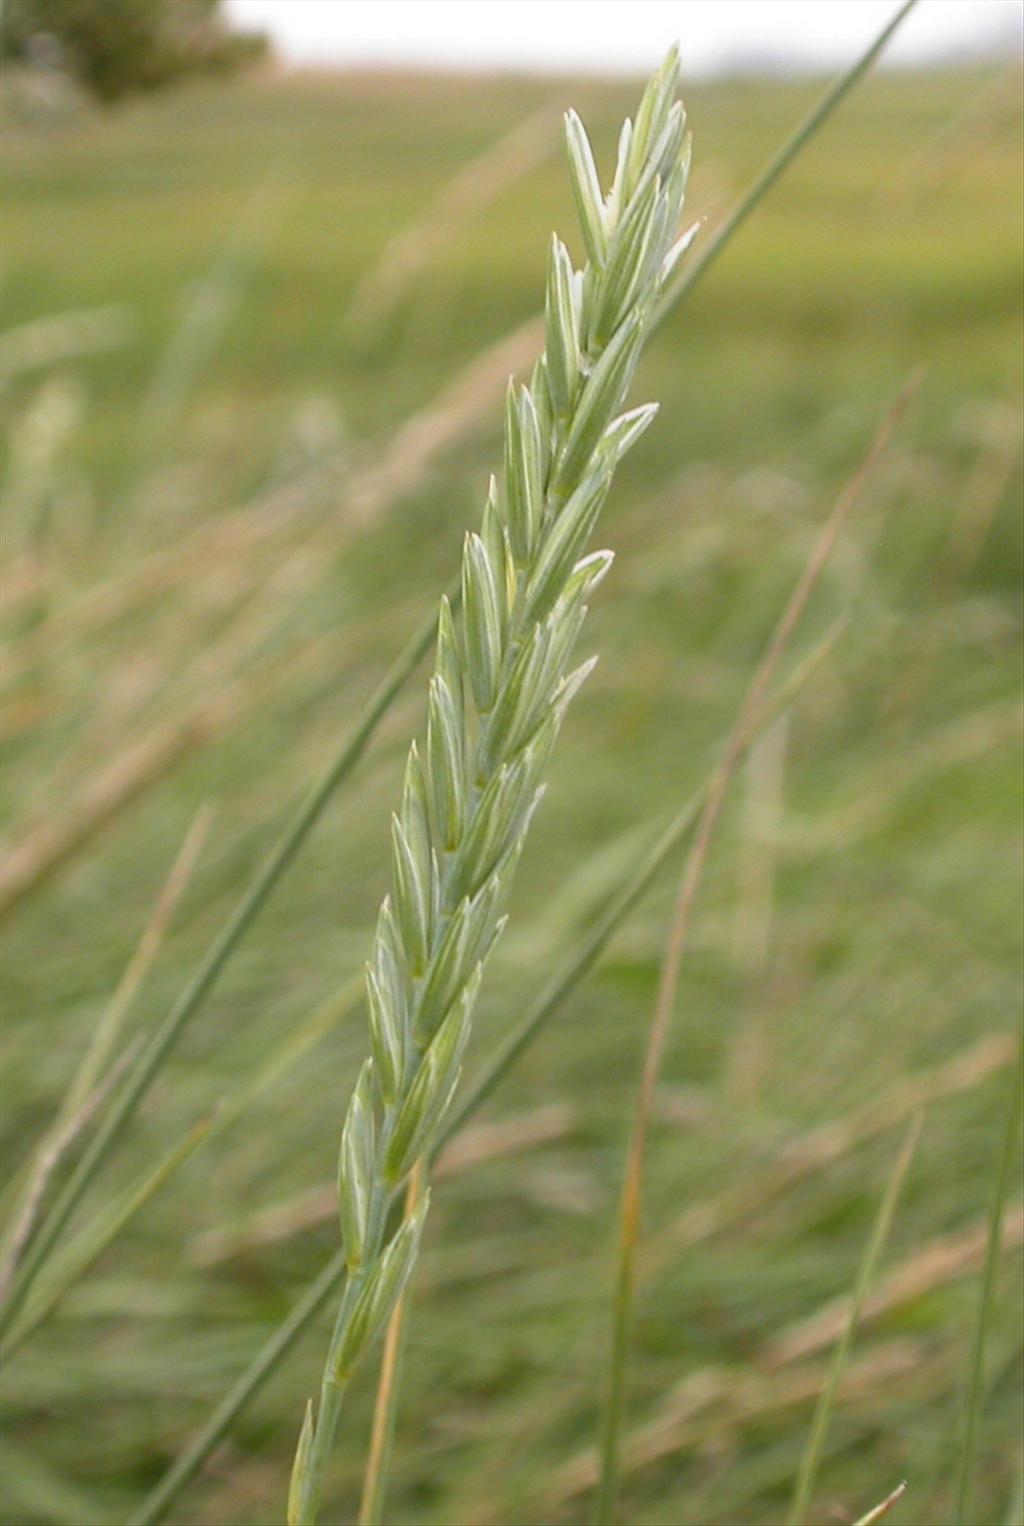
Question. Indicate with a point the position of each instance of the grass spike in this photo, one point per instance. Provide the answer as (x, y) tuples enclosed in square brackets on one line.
[(518, 655)]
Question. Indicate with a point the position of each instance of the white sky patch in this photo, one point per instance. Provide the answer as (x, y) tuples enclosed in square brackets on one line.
[(624, 36)]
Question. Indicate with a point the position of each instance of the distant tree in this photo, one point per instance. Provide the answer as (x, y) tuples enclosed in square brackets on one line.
[(117, 47)]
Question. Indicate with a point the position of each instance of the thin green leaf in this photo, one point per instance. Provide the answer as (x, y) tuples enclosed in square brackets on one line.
[(975, 1397), (815, 1449)]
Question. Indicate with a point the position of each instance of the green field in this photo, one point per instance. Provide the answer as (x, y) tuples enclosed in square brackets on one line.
[(214, 548)]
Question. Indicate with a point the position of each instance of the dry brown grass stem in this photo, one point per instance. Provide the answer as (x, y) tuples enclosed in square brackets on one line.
[(395, 469), (943, 1260), (49, 841), (764, 1384), (146, 950), (713, 1403), (459, 408), (681, 917), (203, 553), (89, 1086), (474, 187), (143, 761), (45, 342), (629, 1213), (55, 1146), (982, 732), (819, 1148), (986, 486), (956, 145), (216, 664), (283, 581), (22, 579), (755, 896), (24, 712), (882, 1510), (382, 1431)]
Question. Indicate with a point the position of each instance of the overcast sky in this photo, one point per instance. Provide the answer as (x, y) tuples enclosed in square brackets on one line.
[(621, 35)]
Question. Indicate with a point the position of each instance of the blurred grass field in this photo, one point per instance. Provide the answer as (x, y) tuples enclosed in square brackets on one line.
[(204, 578)]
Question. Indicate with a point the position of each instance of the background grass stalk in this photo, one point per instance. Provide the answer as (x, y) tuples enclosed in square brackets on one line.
[(108, 1028), (55, 1146), (475, 185), (629, 1211), (677, 1425), (975, 1397), (815, 1448), (65, 1270), (84, 1248), (783, 158)]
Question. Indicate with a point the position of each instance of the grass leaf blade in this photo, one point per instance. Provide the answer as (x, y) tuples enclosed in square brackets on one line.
[(811, 1460), (976, 1382)]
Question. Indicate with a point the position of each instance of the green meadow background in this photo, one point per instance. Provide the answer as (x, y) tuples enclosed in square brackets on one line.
[(230, 496)]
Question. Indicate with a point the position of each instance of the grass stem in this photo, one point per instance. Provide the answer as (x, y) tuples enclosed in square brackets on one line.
[(815, 1448), (780, 162), (375, 1480), (986, 1300)]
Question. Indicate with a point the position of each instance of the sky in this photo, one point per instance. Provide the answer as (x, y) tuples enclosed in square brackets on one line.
[(627, 36)]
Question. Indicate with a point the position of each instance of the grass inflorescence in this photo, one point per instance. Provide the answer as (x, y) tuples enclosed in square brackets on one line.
[(503, 679)]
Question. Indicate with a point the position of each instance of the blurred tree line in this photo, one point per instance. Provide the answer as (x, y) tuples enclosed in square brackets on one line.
[(114, 48)]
